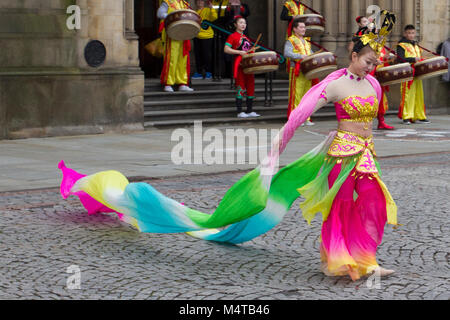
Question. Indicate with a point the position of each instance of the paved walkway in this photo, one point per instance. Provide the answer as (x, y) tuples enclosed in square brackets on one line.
[(50, 246), (32, 163)]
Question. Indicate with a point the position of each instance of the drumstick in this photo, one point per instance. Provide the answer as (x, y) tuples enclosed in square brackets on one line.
[(256, 42)]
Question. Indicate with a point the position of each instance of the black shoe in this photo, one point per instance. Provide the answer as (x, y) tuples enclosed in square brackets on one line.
[(425, 121), (406, 122)]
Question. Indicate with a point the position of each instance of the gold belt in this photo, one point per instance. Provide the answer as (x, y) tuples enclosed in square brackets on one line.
[(346, 144)]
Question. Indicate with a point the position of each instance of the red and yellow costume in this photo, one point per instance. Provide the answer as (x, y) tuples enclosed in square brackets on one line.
[(412, 105), (294, 8), (298, 83), (384, 105), (176, 66)]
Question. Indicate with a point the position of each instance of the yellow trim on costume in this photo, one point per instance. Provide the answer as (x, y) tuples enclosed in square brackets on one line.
[(391, 207), (363, 113)]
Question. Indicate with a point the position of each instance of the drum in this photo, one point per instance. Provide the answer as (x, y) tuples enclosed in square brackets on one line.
[(430, 68), (315, 24), (397, 73), (318, 65), (260, 62), (182, 24)]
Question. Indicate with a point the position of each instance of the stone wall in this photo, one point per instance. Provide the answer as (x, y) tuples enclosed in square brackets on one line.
[(46, 86)]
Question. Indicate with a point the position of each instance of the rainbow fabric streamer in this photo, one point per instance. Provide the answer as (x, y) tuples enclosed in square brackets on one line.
[(251, 207), (245, 214)]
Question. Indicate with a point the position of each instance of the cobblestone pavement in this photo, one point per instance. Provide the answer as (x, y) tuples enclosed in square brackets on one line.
[(42, 235)]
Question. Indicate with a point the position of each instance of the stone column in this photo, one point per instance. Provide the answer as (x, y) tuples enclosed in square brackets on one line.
[(317, 5), (342, 36), (407, 12), (397, 32), (129, 20), (328, 39), (355, 11)]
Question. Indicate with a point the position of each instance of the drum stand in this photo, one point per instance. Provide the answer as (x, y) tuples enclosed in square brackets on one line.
[(268, 90)]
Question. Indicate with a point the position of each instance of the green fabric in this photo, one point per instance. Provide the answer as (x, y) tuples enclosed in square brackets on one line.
[(319, 197), (244, 199)]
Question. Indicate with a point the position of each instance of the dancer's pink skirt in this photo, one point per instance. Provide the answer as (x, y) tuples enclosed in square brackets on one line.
[(355, 205)]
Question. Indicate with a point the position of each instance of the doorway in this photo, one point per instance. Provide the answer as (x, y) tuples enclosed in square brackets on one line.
[(146, 25)]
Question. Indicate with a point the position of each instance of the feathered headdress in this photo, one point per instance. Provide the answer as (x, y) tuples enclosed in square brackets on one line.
[(377, 40)]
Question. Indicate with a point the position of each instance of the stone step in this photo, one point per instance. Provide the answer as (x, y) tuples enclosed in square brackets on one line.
[(217, 113), (183, 104), (201, 114), (278, 114), (152, 96), (152, 85), (232, 119)]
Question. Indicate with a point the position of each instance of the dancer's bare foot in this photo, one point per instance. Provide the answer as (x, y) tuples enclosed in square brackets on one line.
[(383, 272)]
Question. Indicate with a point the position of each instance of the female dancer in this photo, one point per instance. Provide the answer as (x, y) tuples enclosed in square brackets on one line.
[(238, 44), (328, 177)]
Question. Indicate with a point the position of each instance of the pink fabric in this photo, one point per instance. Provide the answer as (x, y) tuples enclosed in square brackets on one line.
[(70, 177), (342, 114), (354, 229)]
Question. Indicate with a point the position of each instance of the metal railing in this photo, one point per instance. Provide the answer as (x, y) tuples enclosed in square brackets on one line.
[(219, 60)]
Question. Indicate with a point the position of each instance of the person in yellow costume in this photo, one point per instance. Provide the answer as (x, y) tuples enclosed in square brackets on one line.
[(291, 10), (220, 6), (297, 48), (176, 65), (412, 105), (203, 43)]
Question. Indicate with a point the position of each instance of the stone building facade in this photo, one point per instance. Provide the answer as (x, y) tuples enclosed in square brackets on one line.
[(48, 88), (56, 81)]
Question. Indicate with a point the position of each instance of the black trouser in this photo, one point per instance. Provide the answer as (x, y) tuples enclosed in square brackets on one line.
[(249, 105), (203, 54)]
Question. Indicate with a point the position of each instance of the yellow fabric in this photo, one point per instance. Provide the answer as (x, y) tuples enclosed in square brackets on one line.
[(177, 72), (293, 9), (363, 112), (210, 15), (348, 144), (391, 207), (413, 101), (173, 50), (299, 85), (216, 4), (300, 47), (176, 5), (96, 184), (411, 51)]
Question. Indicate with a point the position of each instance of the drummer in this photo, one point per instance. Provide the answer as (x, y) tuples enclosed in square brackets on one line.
[(384, 60), (297, 48), (238, 44), (412, 105), (176, 63), (365, 25)]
